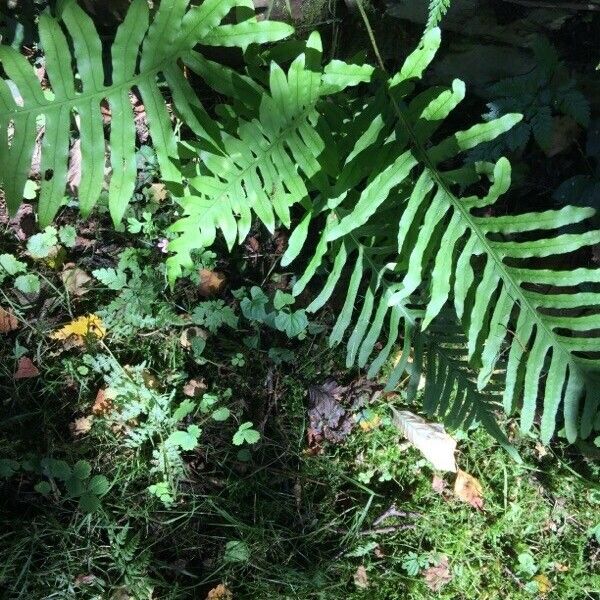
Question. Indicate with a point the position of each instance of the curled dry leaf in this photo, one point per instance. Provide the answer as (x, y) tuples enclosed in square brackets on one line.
[(104, 401), (437, 576), (361, 580), (429, 438), (468, 489), (8, 321), (211, 282), (80, 426), (26, 369), (194, 388), (75, 280), (221, 592)]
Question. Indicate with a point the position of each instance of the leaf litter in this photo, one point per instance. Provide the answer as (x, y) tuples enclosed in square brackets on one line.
[(332, 407)]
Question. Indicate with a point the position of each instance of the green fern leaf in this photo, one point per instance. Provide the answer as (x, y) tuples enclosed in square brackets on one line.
[(264, 167), (155, 45), (448, 249)]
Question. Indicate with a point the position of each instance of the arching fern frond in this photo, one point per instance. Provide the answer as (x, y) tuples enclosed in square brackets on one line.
[(450, 247), (144, 53), (386, 200), (266, 164)]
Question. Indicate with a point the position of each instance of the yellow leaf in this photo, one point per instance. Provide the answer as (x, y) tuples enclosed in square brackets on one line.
[(543, 583), (370, 424), (468, 489), (81, 328)]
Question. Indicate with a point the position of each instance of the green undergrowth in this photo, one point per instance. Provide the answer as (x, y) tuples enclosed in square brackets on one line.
[(166, 490)]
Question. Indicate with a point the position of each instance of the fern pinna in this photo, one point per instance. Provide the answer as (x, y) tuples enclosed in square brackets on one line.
[(396, 238), (145, 54)]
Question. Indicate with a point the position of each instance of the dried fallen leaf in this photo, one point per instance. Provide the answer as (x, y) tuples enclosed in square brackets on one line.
[(81, 328), (84, 579), (26, 369), (211, 282), (8, 321), (328, 419), (221, 592), (429, 438), (438, 485), (80, 426), (194, 388), (75, 280), (543, 583), (437, 576), (189, 333), (468, 489), (103, 403), (361, 580), (159, 191)]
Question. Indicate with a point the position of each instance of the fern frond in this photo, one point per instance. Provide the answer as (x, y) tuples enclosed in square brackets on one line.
[(451, 248), (436, 12), (266, 164), (451, 392), (145, 51)]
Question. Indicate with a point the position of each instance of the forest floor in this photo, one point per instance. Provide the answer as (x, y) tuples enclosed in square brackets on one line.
[(316, 495)]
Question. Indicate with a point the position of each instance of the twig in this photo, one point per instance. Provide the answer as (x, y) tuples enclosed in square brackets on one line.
[(392, 511), (381, 530)]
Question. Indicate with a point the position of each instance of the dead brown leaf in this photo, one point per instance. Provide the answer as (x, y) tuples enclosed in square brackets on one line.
[(221, 592), (81, 425), (26, 369), (437, 576), (468, 489), (8, 321), (328, 419), (189, 333), (211, 282), (75, 280), (194, 388), (103, 403), (361, 579)]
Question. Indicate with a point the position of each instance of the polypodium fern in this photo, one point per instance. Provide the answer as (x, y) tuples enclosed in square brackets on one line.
[(492, 267), (261, 164), (144, 53), (393, 232)]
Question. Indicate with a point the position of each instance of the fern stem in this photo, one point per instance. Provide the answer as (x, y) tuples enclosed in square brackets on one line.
[(370, 33)]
